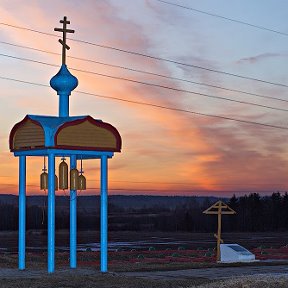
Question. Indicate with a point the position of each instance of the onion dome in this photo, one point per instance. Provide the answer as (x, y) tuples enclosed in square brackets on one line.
[(64, 82)]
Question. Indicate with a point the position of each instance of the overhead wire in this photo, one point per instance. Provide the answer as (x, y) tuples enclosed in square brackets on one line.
[(151, 84), (168, 190), (152, 57), (183, 183), (148, 73), (174, 78), (155, 105), (186, 190), (163, 183), (224, 18)]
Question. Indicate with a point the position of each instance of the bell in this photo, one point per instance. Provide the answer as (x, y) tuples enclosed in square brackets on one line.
[(82, 182), (74, 179), (63, 175), (56, 182), (44, 181)]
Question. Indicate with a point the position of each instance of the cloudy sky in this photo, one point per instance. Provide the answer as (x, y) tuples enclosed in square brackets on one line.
[(165, 152)]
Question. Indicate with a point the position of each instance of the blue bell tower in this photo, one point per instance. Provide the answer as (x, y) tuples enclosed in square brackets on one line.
[(75, 137)]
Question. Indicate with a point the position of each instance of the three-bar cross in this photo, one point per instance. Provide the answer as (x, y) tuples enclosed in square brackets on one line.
[(63, 42)]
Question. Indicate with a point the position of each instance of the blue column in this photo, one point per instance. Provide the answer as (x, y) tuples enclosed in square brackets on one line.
[(64, 104), (73, 220), (22, 212), (104, 215), (51, 213)]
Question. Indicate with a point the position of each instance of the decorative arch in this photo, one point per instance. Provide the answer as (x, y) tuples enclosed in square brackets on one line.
[(88, 134), (27, 134)]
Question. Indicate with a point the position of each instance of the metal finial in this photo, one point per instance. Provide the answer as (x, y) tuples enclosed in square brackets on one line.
[(63, 42)]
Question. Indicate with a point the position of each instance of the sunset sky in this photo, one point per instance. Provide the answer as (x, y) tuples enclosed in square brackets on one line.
[(165, 152)]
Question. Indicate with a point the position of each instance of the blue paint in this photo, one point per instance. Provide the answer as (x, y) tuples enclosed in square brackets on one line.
[(104, 216), (51, 124), (22, 211), (73, 219), (63, 105), (64, 82), (51, 213), (84, 154)]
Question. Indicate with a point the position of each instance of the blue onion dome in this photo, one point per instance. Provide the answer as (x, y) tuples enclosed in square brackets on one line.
[(64, 82)]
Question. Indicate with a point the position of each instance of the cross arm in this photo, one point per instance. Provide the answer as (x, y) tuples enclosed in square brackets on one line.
[(64, 30)]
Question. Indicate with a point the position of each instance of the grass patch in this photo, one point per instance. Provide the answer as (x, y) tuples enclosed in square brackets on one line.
[(108, 280)]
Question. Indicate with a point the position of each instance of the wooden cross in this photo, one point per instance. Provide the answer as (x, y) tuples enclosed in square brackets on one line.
[(219, 208), (63, 42)]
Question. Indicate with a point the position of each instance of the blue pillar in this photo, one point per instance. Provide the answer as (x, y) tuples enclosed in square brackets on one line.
[(51, 213), (64, 105), (104, 215), (22, 212), (73, 220)]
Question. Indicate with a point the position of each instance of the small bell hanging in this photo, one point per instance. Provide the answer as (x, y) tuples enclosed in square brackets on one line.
[(44, 181), (81, 180), (44, 177), (56, 182), (74, 177), (63, 175)]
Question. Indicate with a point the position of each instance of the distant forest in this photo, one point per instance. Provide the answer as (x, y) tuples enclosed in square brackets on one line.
[(154, 213)]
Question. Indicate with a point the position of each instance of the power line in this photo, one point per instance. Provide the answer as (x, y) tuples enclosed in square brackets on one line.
[(188, 190), (185, 190), (151, 84), (149, 73), (28, 29), (164, 183), (183, 64), (183, 90), (157, 106), (153, 57), (192, 184), (225, 18), (166, 190)]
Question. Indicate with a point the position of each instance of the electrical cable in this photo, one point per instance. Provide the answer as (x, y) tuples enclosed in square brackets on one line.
[(156, 105), (148, 73), (151, 84), (151, 57), (225, 18), (173, 190)]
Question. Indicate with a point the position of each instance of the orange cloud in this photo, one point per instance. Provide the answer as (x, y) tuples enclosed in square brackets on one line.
[(160, 147)]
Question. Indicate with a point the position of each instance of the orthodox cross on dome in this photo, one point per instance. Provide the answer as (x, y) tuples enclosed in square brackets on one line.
[(63, 42)]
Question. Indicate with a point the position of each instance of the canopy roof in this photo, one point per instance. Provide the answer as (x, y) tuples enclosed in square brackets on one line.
[(71, 133)]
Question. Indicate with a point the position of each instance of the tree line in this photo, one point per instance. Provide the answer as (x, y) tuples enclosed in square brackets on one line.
[(253, 214)]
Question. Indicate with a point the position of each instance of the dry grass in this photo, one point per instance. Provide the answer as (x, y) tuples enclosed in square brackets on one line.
[(256, 281), (123, 262), (111, 280), (98, 280)]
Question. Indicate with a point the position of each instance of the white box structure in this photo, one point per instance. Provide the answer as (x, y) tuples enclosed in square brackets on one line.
[(230, 253)]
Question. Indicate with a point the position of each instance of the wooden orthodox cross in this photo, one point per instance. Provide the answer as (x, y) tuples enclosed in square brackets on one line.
[(219, 208), (63, 42)]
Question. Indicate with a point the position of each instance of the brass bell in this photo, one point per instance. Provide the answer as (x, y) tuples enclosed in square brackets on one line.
[(74, 179), (56, 182), (63, 175), (81, 182), (44, 181)]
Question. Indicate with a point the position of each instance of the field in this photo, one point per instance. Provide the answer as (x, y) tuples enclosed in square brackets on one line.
[(147, 252), (37, 240)]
